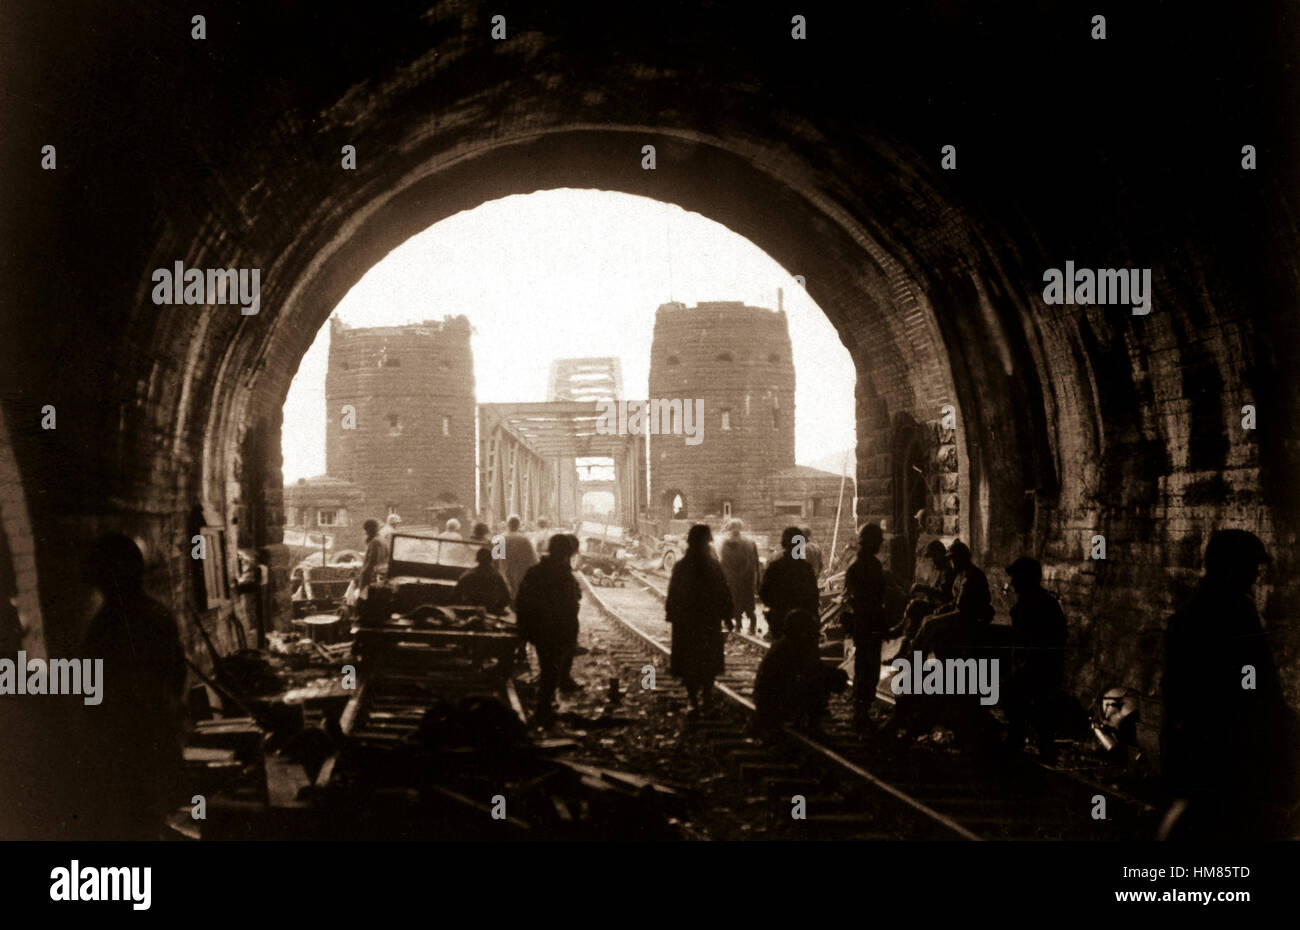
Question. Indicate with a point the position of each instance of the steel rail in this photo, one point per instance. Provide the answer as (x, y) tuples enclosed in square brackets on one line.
[(807, 743)]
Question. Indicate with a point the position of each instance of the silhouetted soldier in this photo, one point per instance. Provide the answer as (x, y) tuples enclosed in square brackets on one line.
[(1227, 738), (452, 528), (739, 558), (252, 588), (542, 537), (812, 552), (483, 586), (481, 533), (1038, 658), (864, 588), (931, 590), (792, 684), (697, 606), (389, 528), (960, 621), (934, 574), (956, 627), (567, 683), (788, 584), (547, 607), (519, 556), (134, 734), (374, 566)]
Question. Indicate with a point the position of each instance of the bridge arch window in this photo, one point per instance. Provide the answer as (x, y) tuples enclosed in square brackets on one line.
[(674, 504)]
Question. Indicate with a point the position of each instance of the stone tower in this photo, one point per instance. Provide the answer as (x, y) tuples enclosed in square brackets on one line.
[(412, 388), (738, 360)]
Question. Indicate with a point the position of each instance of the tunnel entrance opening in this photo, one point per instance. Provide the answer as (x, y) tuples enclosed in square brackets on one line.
[(379, 222), (392, 386), (862, 277), (725, 185)]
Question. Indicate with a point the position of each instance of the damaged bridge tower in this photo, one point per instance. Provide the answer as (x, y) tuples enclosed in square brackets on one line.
[(736, 359), (410, 442)]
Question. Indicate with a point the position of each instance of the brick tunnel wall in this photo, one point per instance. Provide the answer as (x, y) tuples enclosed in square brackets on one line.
[(1070, 420)]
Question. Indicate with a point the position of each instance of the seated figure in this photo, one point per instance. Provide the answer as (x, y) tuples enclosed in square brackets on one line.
[(792, 684)]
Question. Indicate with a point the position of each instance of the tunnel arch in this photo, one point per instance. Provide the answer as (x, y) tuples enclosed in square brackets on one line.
[(575, 158), (919, 338), (933, 280)]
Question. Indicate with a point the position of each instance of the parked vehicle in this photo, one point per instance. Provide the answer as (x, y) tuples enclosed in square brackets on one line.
[(673, 545), (342, 557), (671, 549), (412, 619), (423, 570), (320, 589), (604, 560)]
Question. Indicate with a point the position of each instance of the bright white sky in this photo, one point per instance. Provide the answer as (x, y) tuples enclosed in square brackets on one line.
[(567, 273)]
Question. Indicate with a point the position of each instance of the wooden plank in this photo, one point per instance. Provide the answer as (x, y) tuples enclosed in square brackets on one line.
[(326, 771), (349, 717)]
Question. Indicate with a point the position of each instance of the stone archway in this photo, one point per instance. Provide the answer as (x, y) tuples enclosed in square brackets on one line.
[(673, 505), (932, 280)]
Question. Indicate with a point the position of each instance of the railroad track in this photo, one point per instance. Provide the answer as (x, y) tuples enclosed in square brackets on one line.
[(933, 791)]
